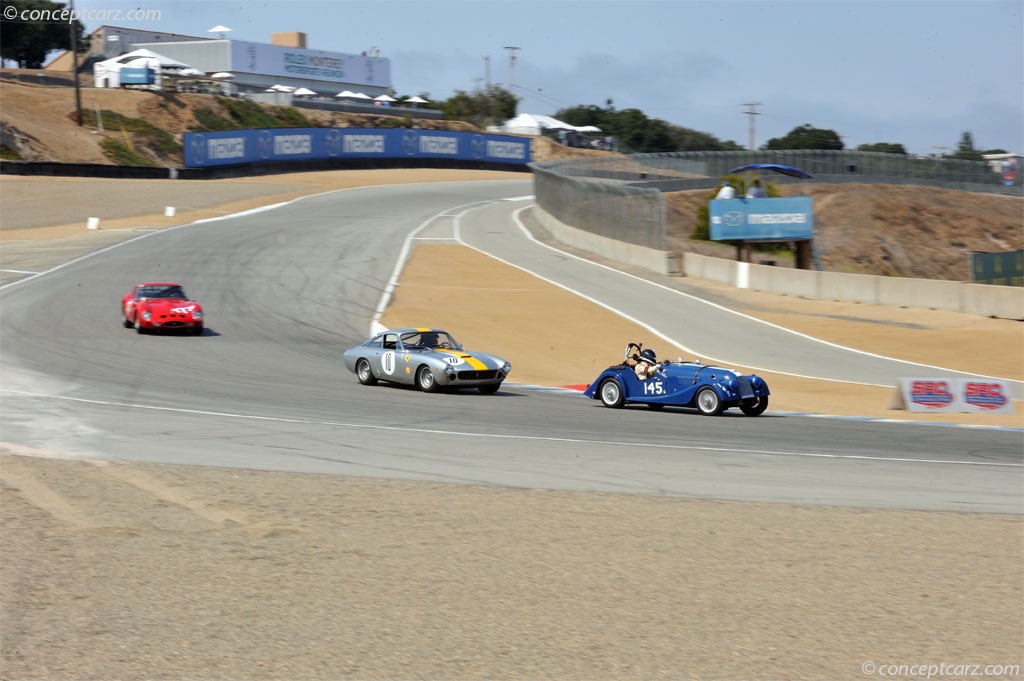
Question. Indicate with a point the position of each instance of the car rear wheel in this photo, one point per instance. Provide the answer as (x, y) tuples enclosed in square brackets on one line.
[(611, 394), (708, 402), (754, 406), (425, 380), (364, 373), (489, 389)]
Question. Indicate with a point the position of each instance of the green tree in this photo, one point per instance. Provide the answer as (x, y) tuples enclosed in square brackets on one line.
[(481, 107), (966, 150), (806, 137), (686, 139), (636, 133), (884, 148), (28, 42)]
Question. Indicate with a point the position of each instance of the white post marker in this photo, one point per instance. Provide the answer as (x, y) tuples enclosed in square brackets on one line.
[(93, 223), (169, 211), (743, 275)]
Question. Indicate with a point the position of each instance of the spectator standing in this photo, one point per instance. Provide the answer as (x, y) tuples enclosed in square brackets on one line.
[(726, 192)]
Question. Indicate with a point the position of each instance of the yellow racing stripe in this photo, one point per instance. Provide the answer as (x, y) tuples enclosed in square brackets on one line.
[(470, 359)]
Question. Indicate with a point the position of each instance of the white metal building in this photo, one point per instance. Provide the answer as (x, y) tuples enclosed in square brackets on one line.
[(254, 67)]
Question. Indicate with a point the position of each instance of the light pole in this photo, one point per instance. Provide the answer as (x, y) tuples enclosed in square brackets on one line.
[(511, 64), (487, 70)]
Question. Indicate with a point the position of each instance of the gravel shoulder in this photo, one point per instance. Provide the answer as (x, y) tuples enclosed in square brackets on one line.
[(130, 571)]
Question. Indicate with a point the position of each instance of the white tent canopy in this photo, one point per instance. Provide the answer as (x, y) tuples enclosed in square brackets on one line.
[(107, 73), (303, 92), (536, 124), (141, 54)]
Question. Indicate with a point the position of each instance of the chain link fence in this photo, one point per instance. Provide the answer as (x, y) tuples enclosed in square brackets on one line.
[(620, 197), (610, 208)]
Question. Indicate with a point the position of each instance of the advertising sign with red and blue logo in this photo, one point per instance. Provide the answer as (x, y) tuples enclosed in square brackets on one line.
[(955, 395)]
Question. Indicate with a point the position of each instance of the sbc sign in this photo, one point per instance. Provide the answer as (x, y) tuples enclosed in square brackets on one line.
[(955, 394)]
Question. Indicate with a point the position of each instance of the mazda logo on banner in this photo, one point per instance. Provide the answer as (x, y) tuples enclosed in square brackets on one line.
[(198, 149), (265, 144)]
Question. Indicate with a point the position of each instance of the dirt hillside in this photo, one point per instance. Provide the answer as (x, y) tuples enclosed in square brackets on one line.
[(889, 230)]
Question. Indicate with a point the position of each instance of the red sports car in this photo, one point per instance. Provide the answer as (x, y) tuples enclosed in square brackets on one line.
[(161, 305)]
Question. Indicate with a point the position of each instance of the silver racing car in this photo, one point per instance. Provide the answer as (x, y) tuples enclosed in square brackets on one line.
[(430, 359)]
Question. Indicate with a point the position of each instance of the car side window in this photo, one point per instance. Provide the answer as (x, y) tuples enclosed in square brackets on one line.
[(390, 342)]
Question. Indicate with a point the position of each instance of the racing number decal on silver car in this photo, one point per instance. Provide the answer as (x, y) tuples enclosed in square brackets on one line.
[(654, 388), (387, 362)]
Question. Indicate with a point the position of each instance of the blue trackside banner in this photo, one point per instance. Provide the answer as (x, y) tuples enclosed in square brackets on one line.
[(204, 149), (781, 219)]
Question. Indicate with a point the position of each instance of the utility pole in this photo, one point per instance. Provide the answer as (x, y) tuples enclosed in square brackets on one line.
[(751, 112), (487, 70), (74, 63), (511, 64)]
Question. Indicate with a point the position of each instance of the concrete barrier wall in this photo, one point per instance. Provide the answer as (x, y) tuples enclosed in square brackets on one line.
[(1003, 302), (661, 262)]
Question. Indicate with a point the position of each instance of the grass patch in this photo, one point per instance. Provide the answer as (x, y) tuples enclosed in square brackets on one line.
[(157, 139), (121, 155), (9, 153), (247, 114), (208, 120), (290, 117), (244, 114)]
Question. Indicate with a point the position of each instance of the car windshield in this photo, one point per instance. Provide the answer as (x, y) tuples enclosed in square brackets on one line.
[(160, 292), (430, 339)]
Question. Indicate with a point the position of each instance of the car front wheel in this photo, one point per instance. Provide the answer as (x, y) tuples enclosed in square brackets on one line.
[(611, 394), (138, 325), (364, 373), (425, 380), (125, 322), (708, 402), (754, 406)]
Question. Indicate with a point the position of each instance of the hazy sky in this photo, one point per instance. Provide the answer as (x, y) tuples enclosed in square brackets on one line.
[(912, 72)]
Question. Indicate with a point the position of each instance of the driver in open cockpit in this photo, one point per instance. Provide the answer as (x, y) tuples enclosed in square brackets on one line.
[(646, 364)]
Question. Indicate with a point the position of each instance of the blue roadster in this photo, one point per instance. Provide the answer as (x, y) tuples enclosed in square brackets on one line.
[(709, 389)]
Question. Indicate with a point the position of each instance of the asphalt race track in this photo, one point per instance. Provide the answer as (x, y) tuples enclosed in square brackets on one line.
[(264, 387)]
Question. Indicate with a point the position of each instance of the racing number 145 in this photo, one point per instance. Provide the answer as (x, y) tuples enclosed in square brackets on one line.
[(654, 388)]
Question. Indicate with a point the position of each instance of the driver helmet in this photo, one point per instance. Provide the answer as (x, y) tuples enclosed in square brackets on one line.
[(648, 356), (428, 339)]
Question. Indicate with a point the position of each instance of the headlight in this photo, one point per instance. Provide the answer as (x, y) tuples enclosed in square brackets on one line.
[(507, 368), (147, 315), (197, 315)]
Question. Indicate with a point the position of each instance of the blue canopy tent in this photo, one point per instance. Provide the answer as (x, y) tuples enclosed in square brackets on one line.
[(775, 167)]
